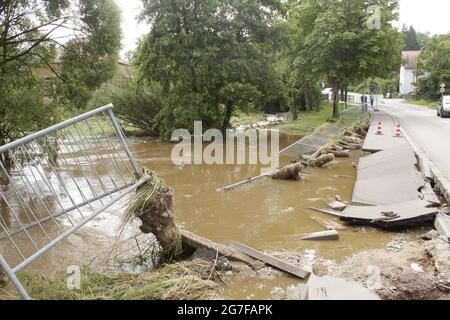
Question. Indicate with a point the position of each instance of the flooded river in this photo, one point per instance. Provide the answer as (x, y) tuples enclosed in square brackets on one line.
[(267, 215)]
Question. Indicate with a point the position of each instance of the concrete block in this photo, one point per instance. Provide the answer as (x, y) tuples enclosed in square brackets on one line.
[(323, 235), (442, 225)]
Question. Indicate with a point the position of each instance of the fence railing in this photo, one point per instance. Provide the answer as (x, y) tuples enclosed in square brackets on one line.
[(55, 181), (349, 114)]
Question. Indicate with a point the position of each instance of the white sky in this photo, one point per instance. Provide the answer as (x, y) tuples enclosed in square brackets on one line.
[(425, 15), (131, 29)]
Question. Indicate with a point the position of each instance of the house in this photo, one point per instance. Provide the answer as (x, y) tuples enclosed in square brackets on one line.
[(408, 72), (50, 72)]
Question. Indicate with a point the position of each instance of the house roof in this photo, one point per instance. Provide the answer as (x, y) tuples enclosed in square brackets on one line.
[(410, 58)]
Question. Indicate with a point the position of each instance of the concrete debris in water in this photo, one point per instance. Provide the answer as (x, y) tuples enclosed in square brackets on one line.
[(400, 215), (337, 205), (323, 235), (279, 264)]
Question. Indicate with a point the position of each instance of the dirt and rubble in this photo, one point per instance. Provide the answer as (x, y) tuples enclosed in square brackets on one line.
[(408, 268)]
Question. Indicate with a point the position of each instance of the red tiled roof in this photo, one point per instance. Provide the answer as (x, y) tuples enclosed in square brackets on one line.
[(410, 58)]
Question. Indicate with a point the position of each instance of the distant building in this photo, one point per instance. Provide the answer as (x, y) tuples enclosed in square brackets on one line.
[(408, 72), (51, 71), (48, 72)]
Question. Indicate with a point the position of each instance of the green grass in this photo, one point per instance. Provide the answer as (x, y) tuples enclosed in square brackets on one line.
[(425, 103), (307, 121), (189, 280)]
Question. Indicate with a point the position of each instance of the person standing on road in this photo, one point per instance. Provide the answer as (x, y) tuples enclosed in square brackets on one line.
[(372, 100)]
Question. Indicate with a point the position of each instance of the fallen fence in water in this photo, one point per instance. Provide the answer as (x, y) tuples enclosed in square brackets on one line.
[(314, 143), (48, 191), (320, 138)]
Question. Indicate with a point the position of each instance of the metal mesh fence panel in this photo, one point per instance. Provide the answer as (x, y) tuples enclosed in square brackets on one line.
[(55, 181)]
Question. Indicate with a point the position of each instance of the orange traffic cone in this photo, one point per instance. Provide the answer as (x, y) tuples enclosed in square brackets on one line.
[(379, 130), (398, 131)]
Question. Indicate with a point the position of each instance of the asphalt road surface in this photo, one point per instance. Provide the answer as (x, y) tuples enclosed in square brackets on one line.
[(429, 132)]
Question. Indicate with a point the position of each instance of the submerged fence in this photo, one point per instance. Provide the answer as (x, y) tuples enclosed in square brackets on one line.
[(349, 114), (55, 181)]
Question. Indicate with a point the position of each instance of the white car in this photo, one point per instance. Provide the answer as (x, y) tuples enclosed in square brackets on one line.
[(443, 110)]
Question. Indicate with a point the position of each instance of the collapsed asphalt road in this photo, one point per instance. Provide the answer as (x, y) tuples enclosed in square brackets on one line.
[(429, 133)]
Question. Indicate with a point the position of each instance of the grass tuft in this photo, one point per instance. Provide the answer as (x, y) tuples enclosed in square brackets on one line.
[(189, 280)]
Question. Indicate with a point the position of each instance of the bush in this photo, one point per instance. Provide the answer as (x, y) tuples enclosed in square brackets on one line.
[(137, 105)]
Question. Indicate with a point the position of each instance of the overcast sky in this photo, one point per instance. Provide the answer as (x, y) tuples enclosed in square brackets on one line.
[(425, 15)]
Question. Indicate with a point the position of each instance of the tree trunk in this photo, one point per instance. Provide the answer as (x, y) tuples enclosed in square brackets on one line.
[(228, 114), (335, 101), (323, 160), (294, 113), (290, 172), (158, 219), (308, 98)]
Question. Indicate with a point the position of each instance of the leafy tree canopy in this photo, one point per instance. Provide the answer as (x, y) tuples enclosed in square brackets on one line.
[(210, 57), (435, 60), (335, 42), (29, 32)]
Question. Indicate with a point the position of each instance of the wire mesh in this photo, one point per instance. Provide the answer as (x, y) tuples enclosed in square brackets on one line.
[(55, 181), (349, 114)]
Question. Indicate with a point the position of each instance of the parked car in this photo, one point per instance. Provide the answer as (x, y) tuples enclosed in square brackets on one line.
[(443, 110)]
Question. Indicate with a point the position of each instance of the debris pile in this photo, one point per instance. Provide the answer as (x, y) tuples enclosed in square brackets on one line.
[(351, 139), (290, 172)]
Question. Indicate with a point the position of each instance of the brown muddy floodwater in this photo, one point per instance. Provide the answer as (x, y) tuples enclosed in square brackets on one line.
[(267, 215)]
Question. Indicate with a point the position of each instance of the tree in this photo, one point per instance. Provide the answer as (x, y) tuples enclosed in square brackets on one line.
[(301, 81), (411, 39), (435, 60), (336, 42), (209, 56), (29, 32), (90, 59), (136, 104)]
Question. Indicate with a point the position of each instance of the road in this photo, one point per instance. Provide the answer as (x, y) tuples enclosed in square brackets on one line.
[(429, 132)]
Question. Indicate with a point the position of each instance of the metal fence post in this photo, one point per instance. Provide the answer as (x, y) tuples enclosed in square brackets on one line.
[(119, 133), (12, 276)]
